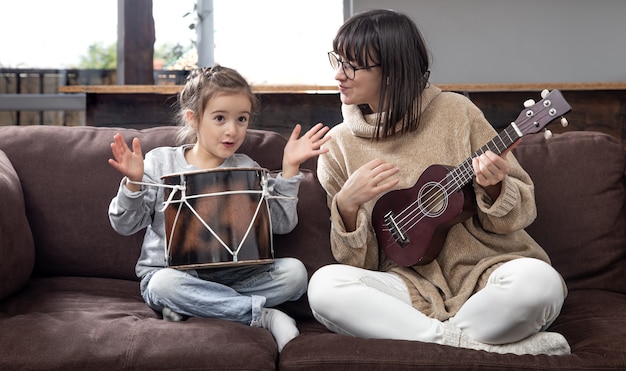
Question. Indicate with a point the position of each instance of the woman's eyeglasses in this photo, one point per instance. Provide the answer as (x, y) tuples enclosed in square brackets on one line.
[(348, 69)]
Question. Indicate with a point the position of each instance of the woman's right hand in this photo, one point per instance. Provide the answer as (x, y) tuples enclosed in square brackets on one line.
[(127, 162), (370, 180)]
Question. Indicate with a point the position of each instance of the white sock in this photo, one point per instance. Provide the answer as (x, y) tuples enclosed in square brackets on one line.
[(170, 315), (282, 327), (550, 343)]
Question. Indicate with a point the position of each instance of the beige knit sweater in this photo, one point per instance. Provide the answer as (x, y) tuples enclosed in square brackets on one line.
[(451, 129)]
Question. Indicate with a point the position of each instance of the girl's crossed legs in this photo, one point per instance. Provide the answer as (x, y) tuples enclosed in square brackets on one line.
[(239, 294)]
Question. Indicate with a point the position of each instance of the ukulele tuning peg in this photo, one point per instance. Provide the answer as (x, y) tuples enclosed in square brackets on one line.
[(547, 134), (544, 93), (564, 122), (529, 103)]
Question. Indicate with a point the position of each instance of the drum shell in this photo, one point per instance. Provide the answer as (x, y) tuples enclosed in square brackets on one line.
[(191, 244)]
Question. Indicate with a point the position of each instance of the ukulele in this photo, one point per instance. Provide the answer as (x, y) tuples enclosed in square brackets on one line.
[(411, 224)]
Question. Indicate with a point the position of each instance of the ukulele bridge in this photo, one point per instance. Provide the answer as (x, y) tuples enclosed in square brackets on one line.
[(396, 231)]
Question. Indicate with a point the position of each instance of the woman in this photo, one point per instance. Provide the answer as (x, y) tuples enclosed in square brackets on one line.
[(491, 287)]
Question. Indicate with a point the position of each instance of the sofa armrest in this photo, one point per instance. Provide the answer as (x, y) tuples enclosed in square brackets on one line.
[(17, 249)]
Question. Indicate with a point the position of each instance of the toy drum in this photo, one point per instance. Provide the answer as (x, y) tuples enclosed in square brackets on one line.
[(216, 218)]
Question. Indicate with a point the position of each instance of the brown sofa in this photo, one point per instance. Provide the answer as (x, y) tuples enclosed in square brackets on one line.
[(69, 298)]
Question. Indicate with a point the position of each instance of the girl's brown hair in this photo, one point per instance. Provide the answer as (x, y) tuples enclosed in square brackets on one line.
[(201, 85)]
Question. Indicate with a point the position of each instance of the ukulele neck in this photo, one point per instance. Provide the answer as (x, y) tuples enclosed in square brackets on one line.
[(464, 173)]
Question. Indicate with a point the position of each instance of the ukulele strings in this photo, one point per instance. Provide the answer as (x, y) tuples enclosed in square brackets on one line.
[(452, 184)]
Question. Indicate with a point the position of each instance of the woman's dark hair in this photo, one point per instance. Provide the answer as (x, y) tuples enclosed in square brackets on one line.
[(392, 40)]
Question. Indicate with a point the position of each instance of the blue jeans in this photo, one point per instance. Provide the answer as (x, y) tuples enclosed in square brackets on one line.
[(235, 294)]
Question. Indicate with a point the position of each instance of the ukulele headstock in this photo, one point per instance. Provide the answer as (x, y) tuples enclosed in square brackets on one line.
[(537, 115)]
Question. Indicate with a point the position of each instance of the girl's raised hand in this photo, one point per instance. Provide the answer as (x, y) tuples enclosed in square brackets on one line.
[(127, 162), (301, 149)]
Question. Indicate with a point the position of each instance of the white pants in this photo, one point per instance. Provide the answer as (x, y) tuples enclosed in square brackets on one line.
[(522, 297)]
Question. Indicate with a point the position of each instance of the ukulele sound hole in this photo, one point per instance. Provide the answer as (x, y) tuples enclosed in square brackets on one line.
[(432, 199)]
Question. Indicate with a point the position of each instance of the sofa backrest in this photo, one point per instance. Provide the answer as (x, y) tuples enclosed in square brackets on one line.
[(68, 184), (580, 191)]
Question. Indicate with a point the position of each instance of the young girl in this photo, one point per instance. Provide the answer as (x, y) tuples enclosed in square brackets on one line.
[(216, 104), (491, 287)]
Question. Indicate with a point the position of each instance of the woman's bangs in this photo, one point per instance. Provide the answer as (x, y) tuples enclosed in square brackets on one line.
[(357, 45)]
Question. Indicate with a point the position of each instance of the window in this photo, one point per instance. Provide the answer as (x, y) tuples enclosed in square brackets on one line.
[(276, 42)]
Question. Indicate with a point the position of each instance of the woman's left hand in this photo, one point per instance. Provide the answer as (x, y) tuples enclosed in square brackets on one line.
[(489, 171)]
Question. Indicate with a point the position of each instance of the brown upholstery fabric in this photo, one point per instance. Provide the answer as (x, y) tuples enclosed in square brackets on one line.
[(69, 323), (580, 195), (17, 252), (309, 241), (67, 205)]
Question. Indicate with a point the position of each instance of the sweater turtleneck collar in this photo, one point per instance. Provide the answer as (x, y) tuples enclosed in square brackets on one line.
[(364, 125)]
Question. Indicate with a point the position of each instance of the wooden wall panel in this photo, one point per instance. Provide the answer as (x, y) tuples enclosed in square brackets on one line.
[(602, 110)]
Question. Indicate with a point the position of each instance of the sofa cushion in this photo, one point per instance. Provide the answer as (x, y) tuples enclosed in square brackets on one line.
[(17, 250), (84, 323), (592, 321), (68, 185), (580, 193)]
